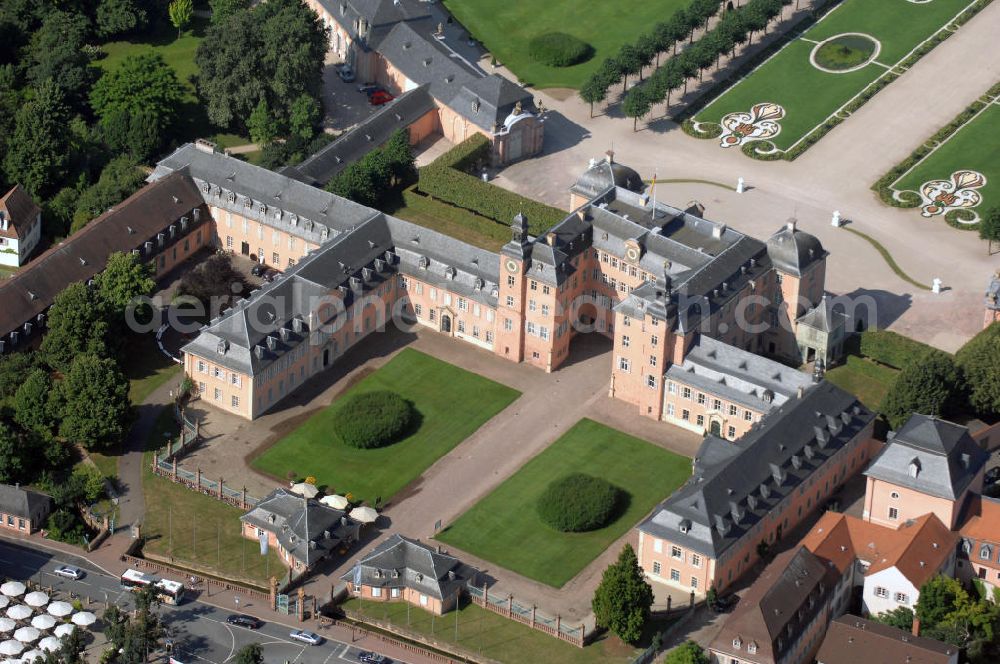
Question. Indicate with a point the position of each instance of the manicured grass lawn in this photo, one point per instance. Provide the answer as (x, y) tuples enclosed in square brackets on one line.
[(492, 635), (451, 402), (505, 28), (196, 530), (809, 95), (179, 53), (863, 378), (147, 368), (975, 147), (455, 222), (504, 527), (106, 463)]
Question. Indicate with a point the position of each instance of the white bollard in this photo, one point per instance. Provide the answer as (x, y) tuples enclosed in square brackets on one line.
[(835, 220), (936, 285), (739, 185), (486, 176)]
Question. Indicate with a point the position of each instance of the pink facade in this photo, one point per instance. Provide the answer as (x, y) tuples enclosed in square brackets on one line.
[(889, 504), (418, 599)]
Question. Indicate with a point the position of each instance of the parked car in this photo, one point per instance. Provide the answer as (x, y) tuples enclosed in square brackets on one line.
[(368, 88), (380, 97), (243, 620), (68, 572), (373, 658), (725, 604), (992, 475), (345, 73), (258, 270), (306, 636)]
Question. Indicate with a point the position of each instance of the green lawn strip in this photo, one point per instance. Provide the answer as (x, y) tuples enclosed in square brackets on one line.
[(106, 463), (975, 146), (888, 259), (491, 635), (450, 220), (197, 531), (505, 28), (505, 528), (452, 403), (146, 367), (810, 95), (863, 378)]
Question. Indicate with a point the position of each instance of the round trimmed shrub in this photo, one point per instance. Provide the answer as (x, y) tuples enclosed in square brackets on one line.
[(558, 49), (577, 503), (373, 419), (845, 52)]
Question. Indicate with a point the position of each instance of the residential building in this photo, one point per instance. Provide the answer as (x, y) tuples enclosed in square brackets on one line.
[(749, 493), (889, 565), (850, 640), (782, 617), (929, 465), (20, 226), (405, 570), (992, 300), (398, 45), (164, 223), (23, 510), (979, 549), (303, 530)]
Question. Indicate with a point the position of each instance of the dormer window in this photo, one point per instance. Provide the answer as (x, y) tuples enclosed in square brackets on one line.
[(737, 643), (985, 551), (752, 648), (914, 467)]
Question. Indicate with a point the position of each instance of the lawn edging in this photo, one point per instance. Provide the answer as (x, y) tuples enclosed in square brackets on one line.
[(888, 259), (842, 112), (909, 199)]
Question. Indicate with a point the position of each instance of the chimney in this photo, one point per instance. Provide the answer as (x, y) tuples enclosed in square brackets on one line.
[(610, 156), (800, 391), (791, 224), (916, 626), (550, 240)]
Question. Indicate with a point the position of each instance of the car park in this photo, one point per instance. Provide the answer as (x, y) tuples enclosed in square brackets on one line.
[(243, 620), (69, 572), (306, 636)]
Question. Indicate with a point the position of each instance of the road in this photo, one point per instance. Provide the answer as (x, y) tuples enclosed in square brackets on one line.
[(198, 630)]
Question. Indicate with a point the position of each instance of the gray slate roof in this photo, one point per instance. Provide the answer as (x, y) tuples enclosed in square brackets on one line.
[(370, 133), (824, 317), (945, 457), (400, 562), (738, 375), (604, 175), (793, 251), (731, 493), (380, 16), (23, 503), (304, 527)]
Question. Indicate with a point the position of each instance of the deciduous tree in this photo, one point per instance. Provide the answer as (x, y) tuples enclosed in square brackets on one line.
[(119, 180), (143, 84), (76, 326), (97, 409), (223, 9), (636, 104), (55, 53), (989, 228), (901, 618), (38, 151), (250, 654), (926, 385), (623, 599), (979, 361), (125, 278), (119, 17), (261, 124), (181, 12), (31, 403), (688, 652)]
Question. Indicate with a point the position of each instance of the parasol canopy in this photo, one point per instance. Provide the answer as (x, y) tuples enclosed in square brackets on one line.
[(36, 599), (84, 618), (60, 609), (63, 630), (43, 622), (336, 502), (50, 644), (364, 514), (12, 588), (19, 612), (27, 634), (7, 625), (305, 489), (10, 647), (32, 656)]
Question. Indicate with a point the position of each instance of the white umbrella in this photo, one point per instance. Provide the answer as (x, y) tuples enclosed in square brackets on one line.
[(12, 588), (19, 612), (63, 630), (31, 656), (60, 609), (27, 634), (7, 625), (43, 622), (305, 489), (36, 599), (84, 618), (336, 502), (4, 601), (10, 647), (50, 644), (364, 514)]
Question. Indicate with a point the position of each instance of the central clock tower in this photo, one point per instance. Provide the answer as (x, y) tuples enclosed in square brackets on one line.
[(515, 259)]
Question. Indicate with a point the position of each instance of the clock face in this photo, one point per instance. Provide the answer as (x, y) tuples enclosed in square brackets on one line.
[(512, 266), (632, 253)]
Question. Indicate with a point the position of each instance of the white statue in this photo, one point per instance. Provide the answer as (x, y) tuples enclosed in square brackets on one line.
[(739, 185), (936, 285), (835, 220)]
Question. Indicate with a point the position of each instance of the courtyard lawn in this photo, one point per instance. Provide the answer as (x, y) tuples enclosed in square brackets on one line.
[(505, 28), (973, 147), (452, 403), (808, 95), (864, 379), (197, 531), (179, 53), (504, 527), (146, 367), (493, 636)]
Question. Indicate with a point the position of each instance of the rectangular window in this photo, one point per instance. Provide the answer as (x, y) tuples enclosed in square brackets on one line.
[(510, 281), (671, 387), (695, 560), (510, 301), (694, 583), (675, 575), (654, 340), (275, 258), (418, 310), (394, 592), (670, 409), (716, 404), (676, 552), (543, 332), (236, 380), (656, 568), (686, 392), (531, 305), (731, 432), (881, 592), (625, 342), (652, 360), (201, 388), (235, 402), (893, 513), (902, 598), (229, 242), (218, 394), (626, 321), (423, 600), (461, 326), (701, 398), (529, 327), (623, 364), (433, 315), (534, 285), (376, 592), (489, 337), (657, 545), (651, 381), (701, 420), (733, 410), (685, 414), (463, 304), (545, 310), (508, 325), (434, 294), (747, 415), (545, 290), (201, 366)]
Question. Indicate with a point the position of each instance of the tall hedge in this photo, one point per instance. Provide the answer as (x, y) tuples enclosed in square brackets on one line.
[(373, 419), (891, 348), (444, 181), (578, 503)]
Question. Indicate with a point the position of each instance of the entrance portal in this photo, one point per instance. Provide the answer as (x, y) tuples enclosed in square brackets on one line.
[(716, 428), (446, 324)]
